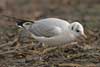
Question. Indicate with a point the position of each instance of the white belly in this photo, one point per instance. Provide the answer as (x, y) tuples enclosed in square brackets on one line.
[(58, 40)]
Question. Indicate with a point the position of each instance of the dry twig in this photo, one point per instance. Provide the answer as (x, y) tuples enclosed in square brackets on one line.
[(9, 43)]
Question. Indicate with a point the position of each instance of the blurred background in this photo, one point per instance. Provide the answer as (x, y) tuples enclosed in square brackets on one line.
[(87, 12)]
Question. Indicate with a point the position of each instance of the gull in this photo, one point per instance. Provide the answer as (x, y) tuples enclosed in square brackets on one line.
[(53, 31)]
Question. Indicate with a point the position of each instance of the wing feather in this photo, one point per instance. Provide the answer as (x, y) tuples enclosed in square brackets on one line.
[(46, 31)]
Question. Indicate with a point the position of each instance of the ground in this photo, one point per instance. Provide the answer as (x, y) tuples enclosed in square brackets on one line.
[(21, 50)]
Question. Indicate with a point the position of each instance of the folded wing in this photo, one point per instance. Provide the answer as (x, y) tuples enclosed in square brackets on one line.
[(45, 30)]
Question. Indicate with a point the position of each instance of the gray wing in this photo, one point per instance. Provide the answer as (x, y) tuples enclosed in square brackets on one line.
[(49, 27), (45, 30)]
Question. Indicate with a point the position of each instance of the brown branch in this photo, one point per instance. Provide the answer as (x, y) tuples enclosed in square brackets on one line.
[(69, 65), (9, 43), (11, 51)]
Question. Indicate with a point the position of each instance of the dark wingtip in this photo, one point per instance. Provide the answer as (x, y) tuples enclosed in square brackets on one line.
[(19, 22)]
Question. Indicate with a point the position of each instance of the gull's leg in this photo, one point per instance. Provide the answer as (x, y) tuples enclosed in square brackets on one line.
[(45, 47)]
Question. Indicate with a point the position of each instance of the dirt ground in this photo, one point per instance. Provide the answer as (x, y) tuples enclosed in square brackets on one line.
[(21, 50)]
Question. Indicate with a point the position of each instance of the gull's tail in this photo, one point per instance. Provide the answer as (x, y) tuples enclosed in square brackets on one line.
[(18, 21)]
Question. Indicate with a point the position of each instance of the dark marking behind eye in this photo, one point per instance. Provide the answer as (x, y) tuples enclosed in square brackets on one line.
[(72, 27)]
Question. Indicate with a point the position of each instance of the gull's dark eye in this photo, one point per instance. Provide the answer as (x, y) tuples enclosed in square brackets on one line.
[(77, 31)]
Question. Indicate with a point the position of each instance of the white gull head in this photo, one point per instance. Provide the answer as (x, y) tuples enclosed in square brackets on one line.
[(77, 29)]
